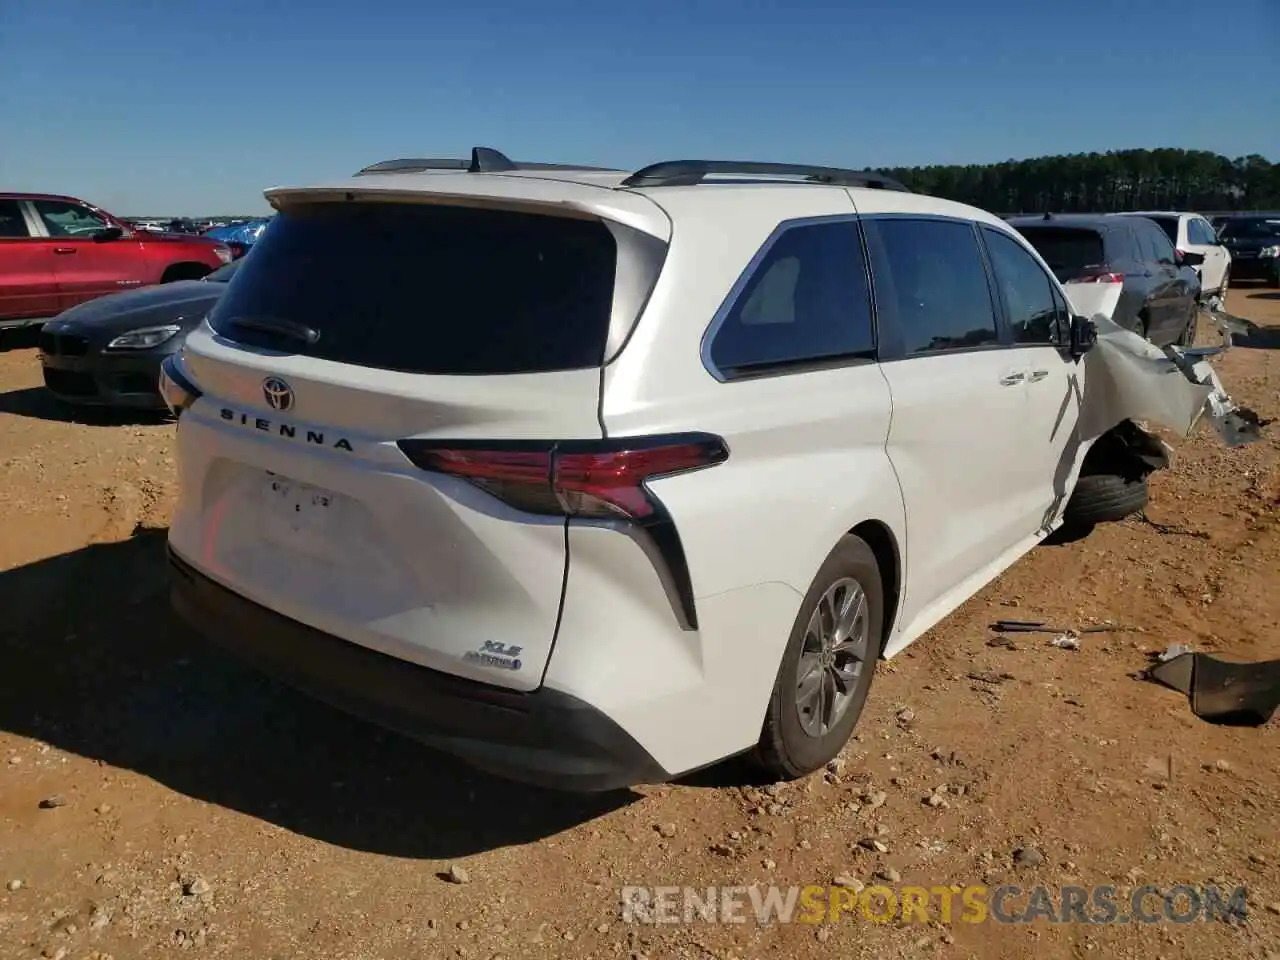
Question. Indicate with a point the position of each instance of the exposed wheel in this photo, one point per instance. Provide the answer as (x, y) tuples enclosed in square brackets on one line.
[(828, 664), (1103, 498)]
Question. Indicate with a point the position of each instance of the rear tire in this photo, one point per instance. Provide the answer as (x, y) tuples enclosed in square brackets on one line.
[(1104, 498), (807, 726)]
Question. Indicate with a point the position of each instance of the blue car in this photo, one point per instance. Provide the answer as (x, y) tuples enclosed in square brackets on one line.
[(240, 237)]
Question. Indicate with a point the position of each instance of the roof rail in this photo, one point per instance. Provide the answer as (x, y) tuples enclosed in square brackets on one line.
[(685, 173), (483, 160)]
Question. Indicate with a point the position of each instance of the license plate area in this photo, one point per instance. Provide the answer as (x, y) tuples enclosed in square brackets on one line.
[(297, 514)]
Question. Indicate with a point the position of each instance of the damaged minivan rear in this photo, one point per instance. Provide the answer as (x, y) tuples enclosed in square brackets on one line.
[(592, 479)]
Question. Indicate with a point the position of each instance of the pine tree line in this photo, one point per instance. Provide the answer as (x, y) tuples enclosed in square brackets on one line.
[(1165, 179)]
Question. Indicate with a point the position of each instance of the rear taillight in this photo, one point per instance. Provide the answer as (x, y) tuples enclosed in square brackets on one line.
[(576, 478), (1100, 278), (603, 479)]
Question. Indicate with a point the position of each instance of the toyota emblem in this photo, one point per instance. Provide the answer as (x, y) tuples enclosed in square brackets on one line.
[(279, 394)]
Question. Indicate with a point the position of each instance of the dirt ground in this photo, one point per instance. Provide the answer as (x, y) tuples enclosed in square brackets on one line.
[(156, 798)]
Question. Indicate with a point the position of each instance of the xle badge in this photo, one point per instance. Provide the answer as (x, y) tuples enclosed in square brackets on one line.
[(494, 654)]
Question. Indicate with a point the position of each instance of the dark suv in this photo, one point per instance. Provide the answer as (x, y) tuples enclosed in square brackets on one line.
[(1254, 243), (1158, 291)]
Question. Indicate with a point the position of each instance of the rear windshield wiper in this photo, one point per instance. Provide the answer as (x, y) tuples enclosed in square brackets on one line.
[(289, 329)]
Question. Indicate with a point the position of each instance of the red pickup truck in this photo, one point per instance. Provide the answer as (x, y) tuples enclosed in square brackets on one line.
[(56, 252)]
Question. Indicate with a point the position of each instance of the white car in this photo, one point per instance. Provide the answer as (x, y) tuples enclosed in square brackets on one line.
[(1192, 233), (595, 478)]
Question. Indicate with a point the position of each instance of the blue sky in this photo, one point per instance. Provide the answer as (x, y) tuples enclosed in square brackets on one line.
[(184, 107)]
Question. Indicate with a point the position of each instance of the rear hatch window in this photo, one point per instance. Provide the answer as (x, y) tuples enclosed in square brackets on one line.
[(1071, 253), (1170, 227), (428, 289)]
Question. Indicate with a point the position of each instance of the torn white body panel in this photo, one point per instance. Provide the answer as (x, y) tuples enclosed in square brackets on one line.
[(1127, 377), (1092, 298)]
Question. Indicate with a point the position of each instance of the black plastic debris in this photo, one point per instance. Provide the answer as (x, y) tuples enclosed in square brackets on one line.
[(1222, 692)]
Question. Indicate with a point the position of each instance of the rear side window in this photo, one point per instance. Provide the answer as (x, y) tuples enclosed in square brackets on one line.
[(1070, 252), (1199, 232), (807, 301), (934, 280), (419, 288), (12, 223)]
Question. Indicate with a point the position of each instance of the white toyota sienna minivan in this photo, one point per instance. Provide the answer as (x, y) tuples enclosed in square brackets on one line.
[(593, 478)]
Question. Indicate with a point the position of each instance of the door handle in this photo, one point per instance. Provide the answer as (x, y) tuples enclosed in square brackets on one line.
[(1038, 375), (64, 249), (1009, 379)]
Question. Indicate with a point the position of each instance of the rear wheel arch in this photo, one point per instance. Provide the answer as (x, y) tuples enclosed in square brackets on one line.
[(884, 545), (185, 270)]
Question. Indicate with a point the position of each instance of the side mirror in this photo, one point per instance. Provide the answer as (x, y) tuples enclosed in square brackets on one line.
[(1190, 259), (108, 234), (1083, 336)]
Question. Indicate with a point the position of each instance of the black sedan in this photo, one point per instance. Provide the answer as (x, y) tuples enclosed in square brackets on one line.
[(1254, 244), (107, 352)]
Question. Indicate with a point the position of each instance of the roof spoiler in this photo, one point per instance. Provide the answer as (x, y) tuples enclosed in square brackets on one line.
[(483, 160)]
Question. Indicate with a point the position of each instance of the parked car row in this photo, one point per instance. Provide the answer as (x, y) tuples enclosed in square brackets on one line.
[(1149, 270), (57, 252), (108, 351), (241, 236), (1146, 270), (1124, 267)]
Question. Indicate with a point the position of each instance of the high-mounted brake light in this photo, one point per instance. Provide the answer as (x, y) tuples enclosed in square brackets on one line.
[(1100, 278), (576, 478)]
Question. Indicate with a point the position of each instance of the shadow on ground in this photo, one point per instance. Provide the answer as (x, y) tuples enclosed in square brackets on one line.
[(1258, 338), (1274, 295), (95, 664), (37, 403)]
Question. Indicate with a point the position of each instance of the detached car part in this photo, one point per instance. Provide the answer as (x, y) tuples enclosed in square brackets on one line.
[(1223, 692)]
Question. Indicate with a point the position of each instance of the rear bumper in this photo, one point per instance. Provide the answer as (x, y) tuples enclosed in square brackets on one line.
[(544, 737)]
